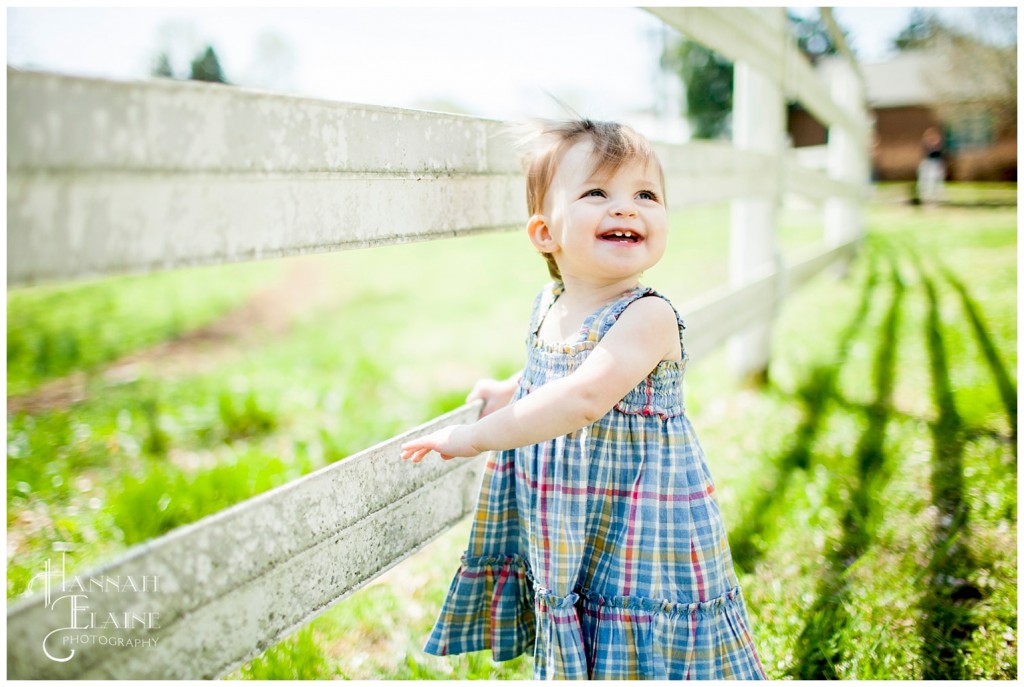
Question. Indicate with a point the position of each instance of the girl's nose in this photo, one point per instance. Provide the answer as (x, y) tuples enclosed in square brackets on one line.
[(624, 209)]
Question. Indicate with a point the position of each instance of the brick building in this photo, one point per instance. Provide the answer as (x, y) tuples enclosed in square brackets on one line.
[(911, 92)]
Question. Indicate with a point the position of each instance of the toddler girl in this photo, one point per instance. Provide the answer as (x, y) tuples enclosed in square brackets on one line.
[(597, 539)]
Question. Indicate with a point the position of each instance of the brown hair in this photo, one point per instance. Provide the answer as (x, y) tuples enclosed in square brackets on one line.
[(547, 141)]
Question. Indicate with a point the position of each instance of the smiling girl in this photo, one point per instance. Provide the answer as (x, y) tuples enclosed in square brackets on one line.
[(597, 538)]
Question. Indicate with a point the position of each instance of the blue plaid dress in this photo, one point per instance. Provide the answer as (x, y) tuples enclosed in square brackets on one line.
[(603, 550)]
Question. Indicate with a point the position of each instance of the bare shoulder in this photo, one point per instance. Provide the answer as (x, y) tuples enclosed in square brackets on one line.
[(654, 320), (650, 312)]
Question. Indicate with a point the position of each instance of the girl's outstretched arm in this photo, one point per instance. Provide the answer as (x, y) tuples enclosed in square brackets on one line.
[(496, 394), (645, 334)]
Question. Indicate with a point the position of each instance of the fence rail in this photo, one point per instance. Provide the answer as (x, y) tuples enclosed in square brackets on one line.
[(77, 208), (108, 177), (129, 177), (232, 584)]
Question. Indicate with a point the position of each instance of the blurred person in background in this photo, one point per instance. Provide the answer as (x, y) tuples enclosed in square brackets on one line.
[(931, 172)]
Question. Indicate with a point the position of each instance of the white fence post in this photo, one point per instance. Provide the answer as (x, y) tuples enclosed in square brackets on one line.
[(758, 126), (847, 160)]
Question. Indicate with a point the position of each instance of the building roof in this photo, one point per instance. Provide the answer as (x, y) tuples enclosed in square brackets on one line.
[(919, 77), (904, 80)]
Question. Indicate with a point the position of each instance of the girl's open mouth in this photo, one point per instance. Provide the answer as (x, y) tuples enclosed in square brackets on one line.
[(621, 236)]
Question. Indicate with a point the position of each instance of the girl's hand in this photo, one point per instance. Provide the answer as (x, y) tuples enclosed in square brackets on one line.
[(449, 442), (494, 393)]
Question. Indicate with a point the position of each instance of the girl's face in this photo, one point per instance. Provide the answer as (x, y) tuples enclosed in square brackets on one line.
[(605, 227)]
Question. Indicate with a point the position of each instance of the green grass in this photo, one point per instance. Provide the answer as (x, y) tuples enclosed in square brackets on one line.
[(53, 330), (869, 488), (880, 542), (296, 658)]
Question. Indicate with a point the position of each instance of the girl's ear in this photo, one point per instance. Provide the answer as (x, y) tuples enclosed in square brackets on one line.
[(540, 234)]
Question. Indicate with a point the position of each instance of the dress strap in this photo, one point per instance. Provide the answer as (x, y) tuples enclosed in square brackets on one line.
[(542, 303), (607, 317)]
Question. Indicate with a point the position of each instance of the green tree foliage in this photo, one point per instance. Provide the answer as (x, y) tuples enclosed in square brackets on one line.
[(206, 67), (162, 66), (920, 31), (708, 77), (813, 37)]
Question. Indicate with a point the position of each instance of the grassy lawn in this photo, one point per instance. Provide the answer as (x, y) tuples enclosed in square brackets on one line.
[(869, 488)]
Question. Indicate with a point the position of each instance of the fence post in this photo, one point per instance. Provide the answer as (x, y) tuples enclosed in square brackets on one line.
[(847, 159), (758, 125)]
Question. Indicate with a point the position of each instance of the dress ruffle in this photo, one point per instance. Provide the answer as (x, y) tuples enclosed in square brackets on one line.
[(633, 638), (493, 604), (489, 606), (559, 652)]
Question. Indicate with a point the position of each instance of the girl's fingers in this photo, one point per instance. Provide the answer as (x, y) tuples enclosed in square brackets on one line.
[(415, 453)]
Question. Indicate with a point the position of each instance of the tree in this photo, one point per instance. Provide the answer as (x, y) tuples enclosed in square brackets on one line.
[(206, 67), (162, 66), (177, 40), (920, 31), (813, 37), (707, 76)]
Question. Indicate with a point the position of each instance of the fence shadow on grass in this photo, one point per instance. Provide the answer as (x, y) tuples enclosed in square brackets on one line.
[(994, 203), (814, 395), (946, 608), (818, 654), (1007, 387)]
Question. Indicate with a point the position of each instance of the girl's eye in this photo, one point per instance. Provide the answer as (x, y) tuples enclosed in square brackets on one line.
[(596, 192), (648, 195)]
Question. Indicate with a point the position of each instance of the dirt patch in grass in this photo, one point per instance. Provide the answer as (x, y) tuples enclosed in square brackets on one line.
[(269, 313)]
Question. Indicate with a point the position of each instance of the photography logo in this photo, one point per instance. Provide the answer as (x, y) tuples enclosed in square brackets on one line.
[(69, 597)]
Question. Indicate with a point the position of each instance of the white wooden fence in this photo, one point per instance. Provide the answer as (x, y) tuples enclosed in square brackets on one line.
[(107, 177)]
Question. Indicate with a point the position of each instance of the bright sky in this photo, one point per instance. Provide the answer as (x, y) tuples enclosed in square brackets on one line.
[(490, 62)]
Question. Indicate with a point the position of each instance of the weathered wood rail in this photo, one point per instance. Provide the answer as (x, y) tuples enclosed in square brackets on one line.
[(229, 585), (107, 177), (164, 174)]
